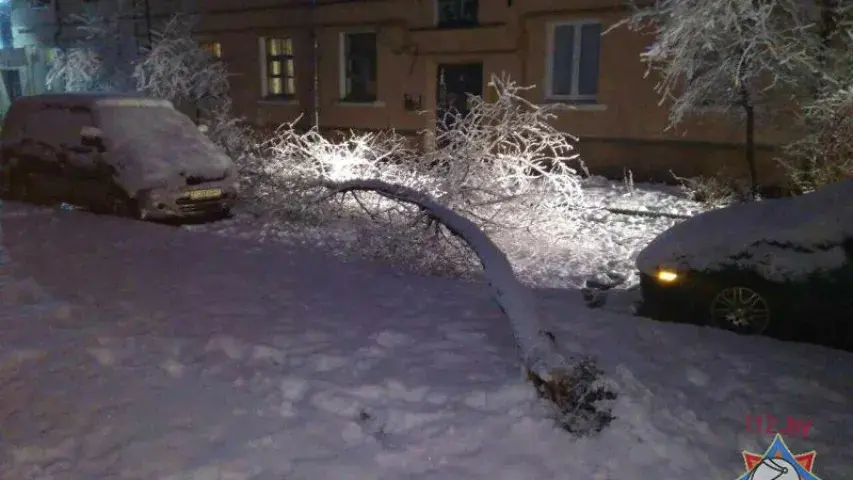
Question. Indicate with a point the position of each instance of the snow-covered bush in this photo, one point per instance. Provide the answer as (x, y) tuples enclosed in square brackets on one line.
[(713, 192)]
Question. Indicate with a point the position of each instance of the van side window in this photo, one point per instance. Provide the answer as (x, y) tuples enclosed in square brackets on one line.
[(57, 126)]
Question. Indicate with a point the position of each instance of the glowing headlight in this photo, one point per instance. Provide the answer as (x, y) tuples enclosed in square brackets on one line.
[(666, 276)]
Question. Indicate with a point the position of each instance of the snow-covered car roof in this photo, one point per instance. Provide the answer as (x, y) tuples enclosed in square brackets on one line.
[(780, 238)]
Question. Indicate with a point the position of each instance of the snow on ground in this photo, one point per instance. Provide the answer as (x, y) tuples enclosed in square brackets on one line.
[(162, 353), (595, 241)]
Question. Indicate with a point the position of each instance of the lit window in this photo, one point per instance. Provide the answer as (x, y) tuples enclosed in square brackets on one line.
[(280, 69), (215, 48)]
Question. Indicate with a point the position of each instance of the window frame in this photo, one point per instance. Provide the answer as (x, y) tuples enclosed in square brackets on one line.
[(458, 23), (18, 74), (212, 46), (343, 62), (576, 54), (39, 4), (7, 31), (267, 76)]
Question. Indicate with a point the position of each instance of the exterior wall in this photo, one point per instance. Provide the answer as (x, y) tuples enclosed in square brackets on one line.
[(625, 129)]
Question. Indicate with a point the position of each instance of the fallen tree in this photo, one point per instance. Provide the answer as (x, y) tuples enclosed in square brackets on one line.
[(573, 387)]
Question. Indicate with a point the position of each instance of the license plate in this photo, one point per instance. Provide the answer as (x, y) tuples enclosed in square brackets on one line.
[(205, 194)]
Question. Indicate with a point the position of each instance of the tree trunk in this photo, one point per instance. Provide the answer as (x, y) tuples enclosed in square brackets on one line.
[(574, 390), (749, 145), (750, 151), (537, 349)]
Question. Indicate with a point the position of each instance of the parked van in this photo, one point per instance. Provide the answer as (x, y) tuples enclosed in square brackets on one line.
[(118, 154)]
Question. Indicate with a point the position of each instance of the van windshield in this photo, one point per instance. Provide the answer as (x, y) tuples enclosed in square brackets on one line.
[(143, 124), (153, 133), (154, 140)]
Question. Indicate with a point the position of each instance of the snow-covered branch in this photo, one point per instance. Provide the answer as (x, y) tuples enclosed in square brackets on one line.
[(726, 54), (95, 62), (311, 154), (506, 149), (825, 154), (177, 68), (503, 164)]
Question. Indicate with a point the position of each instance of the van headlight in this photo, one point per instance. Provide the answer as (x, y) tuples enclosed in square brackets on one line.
[(665, 275)]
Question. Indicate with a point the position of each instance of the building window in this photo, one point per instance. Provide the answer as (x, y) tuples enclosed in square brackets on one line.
[(279, 68), (7, 39), (12, 81), (215, 48), (456, 13), (358, 67), (573, 61)]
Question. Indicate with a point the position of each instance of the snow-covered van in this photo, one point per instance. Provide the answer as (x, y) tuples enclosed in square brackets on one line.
[(113, 153)]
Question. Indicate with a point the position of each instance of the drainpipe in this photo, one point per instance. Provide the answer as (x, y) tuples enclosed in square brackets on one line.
[(147, 7), (316, 68), (57, 36)]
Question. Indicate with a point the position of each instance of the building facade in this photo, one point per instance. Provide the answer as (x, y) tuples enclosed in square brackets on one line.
[(380, 64), (374, 64)]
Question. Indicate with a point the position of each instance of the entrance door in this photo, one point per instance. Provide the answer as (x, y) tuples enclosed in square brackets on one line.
[(11, 78), (455, 81)]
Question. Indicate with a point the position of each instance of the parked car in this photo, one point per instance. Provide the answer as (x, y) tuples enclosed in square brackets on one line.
[(780, 267), (118, 154)]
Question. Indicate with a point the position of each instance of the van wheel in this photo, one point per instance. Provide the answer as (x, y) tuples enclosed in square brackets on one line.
[(15, 187), (120, 205)]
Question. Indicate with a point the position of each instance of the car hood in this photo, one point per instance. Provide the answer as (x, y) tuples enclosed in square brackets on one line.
[(181, 158), (777, 238)]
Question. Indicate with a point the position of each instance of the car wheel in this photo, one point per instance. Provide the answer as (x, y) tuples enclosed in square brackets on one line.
[(740, 309), (120, 205)]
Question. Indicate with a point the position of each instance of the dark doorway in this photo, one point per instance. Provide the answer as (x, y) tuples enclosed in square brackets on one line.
[(12, 80), (455, 82)]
